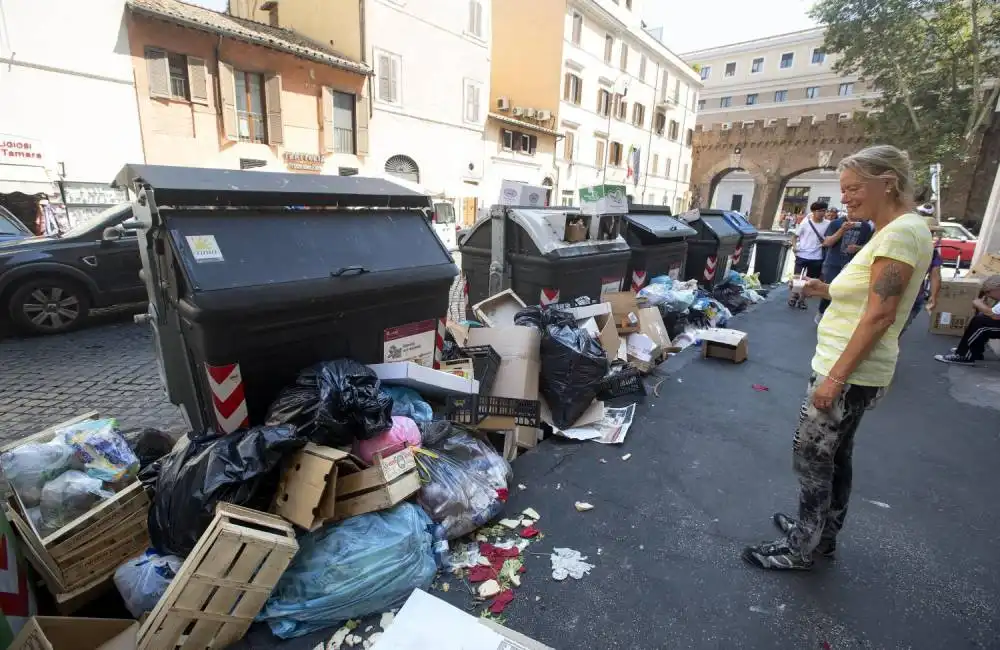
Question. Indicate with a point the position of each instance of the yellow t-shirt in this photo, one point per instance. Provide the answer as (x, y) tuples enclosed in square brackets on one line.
[(908, 240)]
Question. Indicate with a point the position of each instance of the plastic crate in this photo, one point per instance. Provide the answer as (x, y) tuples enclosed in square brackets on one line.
[(485, 364), (473, 409), (625, 382)]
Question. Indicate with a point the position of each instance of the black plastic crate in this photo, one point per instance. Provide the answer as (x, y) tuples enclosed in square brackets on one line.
[(485, 364), (473, 409), (624, 382)]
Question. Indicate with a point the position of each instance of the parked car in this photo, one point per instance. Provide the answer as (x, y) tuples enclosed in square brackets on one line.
[(11, 227), (957, 243), (49, 284)]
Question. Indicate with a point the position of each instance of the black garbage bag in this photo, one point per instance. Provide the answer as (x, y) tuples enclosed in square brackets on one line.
[(450, 350), (573, 365), (334, 403), (149, 445), (542, 317), (241, 467), (674, 322), (731, 296)]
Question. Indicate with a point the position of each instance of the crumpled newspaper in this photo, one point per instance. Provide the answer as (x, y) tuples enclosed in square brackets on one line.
[(568, 563), (463, 556)]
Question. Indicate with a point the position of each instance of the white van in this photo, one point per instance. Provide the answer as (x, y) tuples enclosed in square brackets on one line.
[(445, 224)]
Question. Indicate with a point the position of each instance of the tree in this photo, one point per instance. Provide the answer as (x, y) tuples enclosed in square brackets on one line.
[(934, 64)]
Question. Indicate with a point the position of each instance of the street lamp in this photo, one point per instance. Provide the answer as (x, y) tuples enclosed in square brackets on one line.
[(611, 108)]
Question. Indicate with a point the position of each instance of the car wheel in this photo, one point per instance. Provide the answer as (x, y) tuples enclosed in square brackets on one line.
[(49, 306)]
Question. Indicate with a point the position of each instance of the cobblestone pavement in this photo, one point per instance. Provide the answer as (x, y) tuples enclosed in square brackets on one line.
[(108, 367)]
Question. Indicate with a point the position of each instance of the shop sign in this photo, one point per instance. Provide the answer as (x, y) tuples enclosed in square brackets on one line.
[(15, 150), (96, 194), (309, 162)]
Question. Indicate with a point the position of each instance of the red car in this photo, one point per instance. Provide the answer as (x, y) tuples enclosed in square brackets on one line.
[(957, 243)]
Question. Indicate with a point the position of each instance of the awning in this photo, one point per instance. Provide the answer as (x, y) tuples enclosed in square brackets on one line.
[(25, 179)]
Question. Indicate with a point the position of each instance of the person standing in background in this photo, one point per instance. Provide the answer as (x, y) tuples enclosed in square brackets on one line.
[(932, 282), (807, 243), (844, 238)]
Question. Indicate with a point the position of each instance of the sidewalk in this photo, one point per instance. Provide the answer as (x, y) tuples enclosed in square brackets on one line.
[(711, 461)]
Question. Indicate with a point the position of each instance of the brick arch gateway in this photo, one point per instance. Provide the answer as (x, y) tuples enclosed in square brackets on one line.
[(773, 152)]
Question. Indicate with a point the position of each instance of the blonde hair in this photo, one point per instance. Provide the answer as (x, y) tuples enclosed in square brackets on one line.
[(887, 163)]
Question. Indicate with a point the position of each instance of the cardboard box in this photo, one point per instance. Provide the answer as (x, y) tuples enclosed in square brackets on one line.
[(596, 309), (388, 481), (426, 621), (989, 264), (411, 342), (724, 344), (603, 200), (517, 193), (608, 335), (499, 310), (57, 633), (641, 351), (517, 377), (651, 324), (954, 307), (575, 232), (427, 381), (463, 368), (307, 492), (625, 309)]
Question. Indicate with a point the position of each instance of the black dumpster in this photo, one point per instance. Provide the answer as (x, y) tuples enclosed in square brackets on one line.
[(538, 264), (245, 292), (658, 243), (772, 254), (748, 237), (710, 251)]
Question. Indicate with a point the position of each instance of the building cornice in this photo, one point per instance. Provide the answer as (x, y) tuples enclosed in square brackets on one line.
[(792, 38)]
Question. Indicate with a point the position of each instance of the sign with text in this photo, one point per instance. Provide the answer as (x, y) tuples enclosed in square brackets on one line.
[(16, 150), (307, 162)]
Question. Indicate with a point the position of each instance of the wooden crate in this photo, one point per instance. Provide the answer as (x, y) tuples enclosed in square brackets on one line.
[(223, 583), (85, 552)]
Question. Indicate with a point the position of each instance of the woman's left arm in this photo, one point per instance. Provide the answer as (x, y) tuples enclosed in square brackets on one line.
[(889, 279)]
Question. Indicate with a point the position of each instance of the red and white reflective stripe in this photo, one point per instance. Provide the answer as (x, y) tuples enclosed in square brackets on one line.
[(548, 297), (439, 343), (737, 254), (638, 280), (710, 263), (226, 384)]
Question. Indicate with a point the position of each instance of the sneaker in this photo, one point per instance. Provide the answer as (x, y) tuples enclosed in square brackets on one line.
[(793, 301), (818, 318), (803, 304), (777, 556), (826, 547), (954, 358)]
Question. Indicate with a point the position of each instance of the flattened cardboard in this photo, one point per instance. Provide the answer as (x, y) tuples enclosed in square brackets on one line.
[(388, 481), (608, 335), (724, 344), (426, 381), (307, 492), (651, 324), (498, 310), (59, 633), (989, 264), (625, 309), (954, 307)]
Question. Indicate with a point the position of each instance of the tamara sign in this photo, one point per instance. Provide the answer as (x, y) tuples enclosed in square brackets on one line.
[(15, 150)]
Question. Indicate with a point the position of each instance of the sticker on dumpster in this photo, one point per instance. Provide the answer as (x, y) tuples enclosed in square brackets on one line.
[(204, 248), (411, 342), (675, 272), (611, 285)]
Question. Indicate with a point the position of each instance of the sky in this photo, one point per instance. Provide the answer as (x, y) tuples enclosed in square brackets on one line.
[(697, 24)]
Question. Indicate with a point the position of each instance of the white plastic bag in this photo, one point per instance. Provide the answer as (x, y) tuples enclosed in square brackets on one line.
[(143, 580), (30, 466), (68, 496)]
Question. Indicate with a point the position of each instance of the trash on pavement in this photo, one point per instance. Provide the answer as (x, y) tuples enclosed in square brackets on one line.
[(29, 466), (583, 506), (102, 450), (407, 402), (626, 456), (307, 491), (150, 445), (240, 468), (724, 344), (68, 496), (531, 512), (488, 589), (567, 563), (605, 425), (761, 388), (499, 310), (390, 480), (625, 308), (63, 633), (360, 566), (143, 580)]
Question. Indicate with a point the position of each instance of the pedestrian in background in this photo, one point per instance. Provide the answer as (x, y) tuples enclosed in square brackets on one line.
[(856, 352), (807, 244), (984, 327), (844, 238), (932, 281)]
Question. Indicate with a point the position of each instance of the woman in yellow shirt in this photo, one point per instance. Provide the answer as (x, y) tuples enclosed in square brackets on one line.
[(856, 351)]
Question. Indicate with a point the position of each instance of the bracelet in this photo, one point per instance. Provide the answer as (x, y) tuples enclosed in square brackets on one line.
[(839, 382)]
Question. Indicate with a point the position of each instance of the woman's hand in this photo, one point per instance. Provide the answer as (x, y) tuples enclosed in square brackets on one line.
[(823, 396), (816, 289), (931, 304)]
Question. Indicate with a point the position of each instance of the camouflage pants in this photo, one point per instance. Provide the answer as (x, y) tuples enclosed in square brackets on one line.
[(822, 452)]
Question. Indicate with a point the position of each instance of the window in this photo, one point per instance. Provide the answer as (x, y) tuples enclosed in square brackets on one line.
[(517, 141), (684, 176), (757, 65), (846, 90), (476, 18), (812, 92), (731, 69), (602, 145), (823, 199), (387, 72), (751, 99), (577, 28), (642, 68), (663, 87), (343, 122), (780, 96), (656, 163), (706, 72), (677, 91), (787, 59), (609, 46), (819, 56), (621, 108), (725, 102), (701, 104), (603, 103), (569, 145), (624, 61), (573, 88), (178, 76), (660, 122), (638, 115), (615, 154), (674, 130), (666, 168), (507, 139), (250, 106), (567, 198), (736, 203), (689, 138), (473, 99), (678, 202)]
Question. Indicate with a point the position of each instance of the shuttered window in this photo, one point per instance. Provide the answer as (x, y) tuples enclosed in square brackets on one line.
[(387, 72), (343, 122), (257, 104), (176, 76)]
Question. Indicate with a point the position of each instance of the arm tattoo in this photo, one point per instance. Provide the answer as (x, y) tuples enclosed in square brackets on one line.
[(890, 283)]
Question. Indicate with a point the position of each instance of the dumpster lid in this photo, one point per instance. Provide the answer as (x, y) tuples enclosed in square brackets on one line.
[(741, 223), (715, 221), (185, 186), (662, 226), (546, 227)]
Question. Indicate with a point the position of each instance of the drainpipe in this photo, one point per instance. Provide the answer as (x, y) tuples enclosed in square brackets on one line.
[(649, 143), (363, 26)]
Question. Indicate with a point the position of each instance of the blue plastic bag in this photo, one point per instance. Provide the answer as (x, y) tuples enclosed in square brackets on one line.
[(407, 402), (143, 580), (360, 566)]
